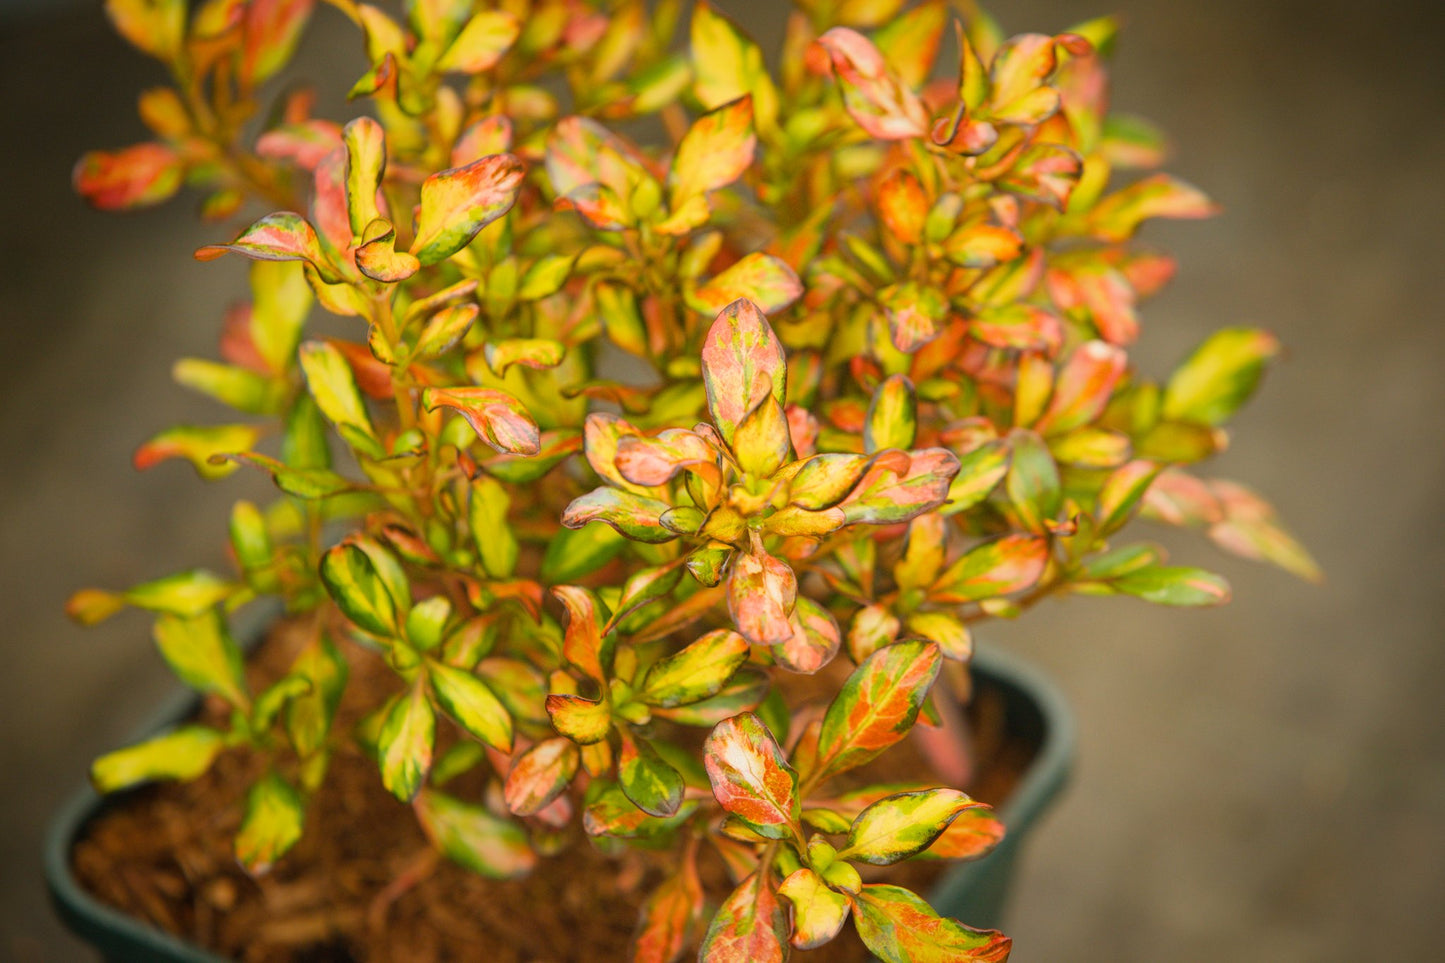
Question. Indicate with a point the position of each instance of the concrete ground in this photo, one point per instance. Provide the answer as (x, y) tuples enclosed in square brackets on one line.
[(1262, 782)]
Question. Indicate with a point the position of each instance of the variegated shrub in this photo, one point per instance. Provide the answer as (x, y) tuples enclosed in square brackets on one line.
[(624, 438)]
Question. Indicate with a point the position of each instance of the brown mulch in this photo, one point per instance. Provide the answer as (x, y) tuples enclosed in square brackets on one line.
[(363, 885)]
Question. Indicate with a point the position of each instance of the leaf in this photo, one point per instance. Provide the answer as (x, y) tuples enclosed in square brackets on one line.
[(609, 812), (877, 705), (457, 203), (275, 812), (668, 917), (751, 777), (202, 653), (872, 93), (356, 577), (472, 705), (899, 927), (404, 744), (824, 480), (536, 353), (892, 416), (1122, 492), (471, 836), (487, 507), (766, 281), (902, 825), (699, 671), (139, 176), (1218, 376), (814, 641), (973, 833), (498, 418), (818, 912), (654, 786), (761, 593), (889, 494), (742, 693), (715, 151), (378, 258), (998, 567), (1032, 482), (742, 363), (1173, 585), (333, 386), (282, 236), (155, 27), (574, 553), (487, 36), (655, 461), (1251, 528), (182, 754), (540, 775), (185, 594), (635, 516), (197, 445), (584, 721), (582, 644), (365, 142), (915, 314), (1084, 387), (728, 65), (1118, 216), (301, 482), (231, 385), (309, 714), (902, 205), (751, 926), (763, 441)]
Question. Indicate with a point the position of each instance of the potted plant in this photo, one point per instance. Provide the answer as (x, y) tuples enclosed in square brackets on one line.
[(642, 498)]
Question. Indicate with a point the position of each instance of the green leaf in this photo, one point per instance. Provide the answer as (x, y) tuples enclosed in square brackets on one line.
[(877, 705), (231, 385), (487, 516), (1219, 376), (202, 653), (275, 812), (899, 927), (365, 142), (185, 594), (471, 836), (301, 482), (608, 812), (892, 416), (900, 486), (743, 693), (405, 742), (182, 754), (457, 203), (574, 553), (715, 151), (1032, 482), (751, 926), (333, 385), (654, 786), (1174, 585), (355, 573), (902, 825), (540, 775), (751, 777), (471, 705), (742, 363), (309, 714), (487, 36), (635, 516), (700, 671)]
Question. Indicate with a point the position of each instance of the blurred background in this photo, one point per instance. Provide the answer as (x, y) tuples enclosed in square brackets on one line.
[(1263, 782)]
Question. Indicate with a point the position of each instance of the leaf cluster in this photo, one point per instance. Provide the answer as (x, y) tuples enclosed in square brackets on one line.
[(624, 439)]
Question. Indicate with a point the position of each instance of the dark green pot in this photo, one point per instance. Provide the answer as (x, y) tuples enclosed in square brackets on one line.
[(973, 892)]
